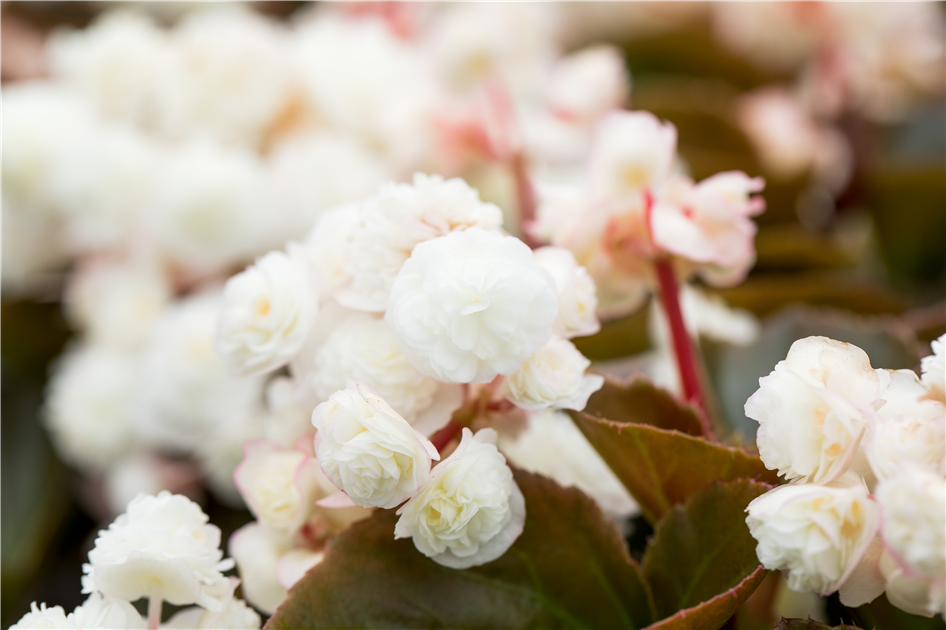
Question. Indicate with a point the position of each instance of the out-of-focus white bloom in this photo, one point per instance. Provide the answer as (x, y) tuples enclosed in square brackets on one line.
[(140, 471), (222, 451), (553, 377), (471, 305), (368, 450), (257, 553), (280, 485), (88, 406), (471, 511), (586, 84), (934, 367), (40, 618), (99, 186), (185, 390), (708, 224), (577, 296), (396, 220), (33, 248), (633, 151), (914, 520), (267, 312), (161, 547), (364, 347), (235, 615), (553, 446), (115, 303), (229, 75), (909, 429), (814, 534), (810, 409), (915, 595), (106, 612), (317, 171), (706, 315), (209, 208), (771, 35), (328, 246), (114, 62)]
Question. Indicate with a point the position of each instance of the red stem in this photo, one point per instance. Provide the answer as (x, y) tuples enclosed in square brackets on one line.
[(441, 438), (682, 346)]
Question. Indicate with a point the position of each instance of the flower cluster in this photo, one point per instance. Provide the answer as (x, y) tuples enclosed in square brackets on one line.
[(162, 549), (865, 450)]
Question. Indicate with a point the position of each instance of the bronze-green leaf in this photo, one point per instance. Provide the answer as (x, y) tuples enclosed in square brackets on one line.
[(810, 624), (569, 568), (664, 468), (702, 559), (642, 402)]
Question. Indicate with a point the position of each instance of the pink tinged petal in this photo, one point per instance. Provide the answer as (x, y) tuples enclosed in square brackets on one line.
[(865, 583), (294, 564), (336, 500)]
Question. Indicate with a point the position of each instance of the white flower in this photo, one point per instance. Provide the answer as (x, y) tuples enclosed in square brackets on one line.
[(914, 520), (908, 429), (814, 534), (116, 302), (396, 220), (257, 554), (185, 391), (364, 347), (934, 367), (280, 485), (106, 612), (471, 511), (235, 615), (114, 62), (229, 76), (40, 618), (577, 296), (553, 446), (588, 83), (633, 151), (809, 409), (915, 595), (471, 305), (553, 377), (222, 451), (368, 450), (266, 314), (317, 171), (328, 246), (209, 207), (161, 547), (88, 406)]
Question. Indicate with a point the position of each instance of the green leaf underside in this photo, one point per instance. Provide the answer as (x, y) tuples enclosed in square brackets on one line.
[(663, 468), (810, 624), (641, 402), (702, 557), (570, 568)]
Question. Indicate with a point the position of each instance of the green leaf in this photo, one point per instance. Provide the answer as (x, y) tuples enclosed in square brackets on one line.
[(809, 624), (641, 402), (664, 468), (701, 561), (569, 568)]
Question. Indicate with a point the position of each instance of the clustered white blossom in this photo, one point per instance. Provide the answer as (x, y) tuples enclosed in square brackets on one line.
[(866, 450), (162, 548)]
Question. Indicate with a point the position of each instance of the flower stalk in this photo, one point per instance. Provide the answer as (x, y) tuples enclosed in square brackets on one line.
[(155, 602)]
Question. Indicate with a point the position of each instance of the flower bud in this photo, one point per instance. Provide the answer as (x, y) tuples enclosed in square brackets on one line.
[(577, 297), (471, 511), (553, 377), (368, 450)]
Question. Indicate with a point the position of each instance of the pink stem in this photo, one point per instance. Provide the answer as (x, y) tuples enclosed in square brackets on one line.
[(683, 348), (441, 438), (154, 611)]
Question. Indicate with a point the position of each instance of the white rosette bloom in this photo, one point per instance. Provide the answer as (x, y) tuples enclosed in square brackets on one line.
[(280, 485), (369, 451), (814, 534), (633, 151), (185, 393), (811, 408), (88, 406), (552, 445), (471, 305), (396, 220), (934, 368), (471, 511), (161, 547), (328, 246), (915, 595), (106, 612), (364, 347), (42, 618), (577, 296), (908, 428), (586, 84), (267, 312), (914, 521), (236, 614), (553, 377)]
